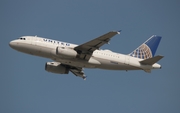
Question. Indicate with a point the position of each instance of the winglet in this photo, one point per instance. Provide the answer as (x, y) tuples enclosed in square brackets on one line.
[(118, 32)]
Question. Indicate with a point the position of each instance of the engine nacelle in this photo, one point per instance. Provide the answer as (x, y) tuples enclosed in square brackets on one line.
[(66, 52), (56, 67)]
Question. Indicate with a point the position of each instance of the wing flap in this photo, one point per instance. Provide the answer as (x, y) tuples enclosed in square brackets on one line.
[(78, 72), (151, 61)]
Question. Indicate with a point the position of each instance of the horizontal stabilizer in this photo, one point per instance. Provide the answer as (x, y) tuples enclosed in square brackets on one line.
[(151, 61)]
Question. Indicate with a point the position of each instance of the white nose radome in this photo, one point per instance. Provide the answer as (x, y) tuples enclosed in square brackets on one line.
[(12, 44)]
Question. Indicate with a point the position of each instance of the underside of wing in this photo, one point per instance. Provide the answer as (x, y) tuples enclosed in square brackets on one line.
[(85, 50), (78, 72)]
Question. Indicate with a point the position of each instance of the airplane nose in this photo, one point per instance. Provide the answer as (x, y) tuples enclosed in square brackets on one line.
[(12, 44)]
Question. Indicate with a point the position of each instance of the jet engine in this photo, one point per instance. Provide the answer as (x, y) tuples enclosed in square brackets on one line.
[(66, 52), (56, 67)]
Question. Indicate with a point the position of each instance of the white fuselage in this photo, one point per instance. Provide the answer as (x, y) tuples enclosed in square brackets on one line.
[(103, 59)]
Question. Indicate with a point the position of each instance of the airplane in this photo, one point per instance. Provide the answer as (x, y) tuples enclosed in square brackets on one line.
[(68, 57)]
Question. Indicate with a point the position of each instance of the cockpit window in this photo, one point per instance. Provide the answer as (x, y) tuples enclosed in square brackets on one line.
[(22, 38)]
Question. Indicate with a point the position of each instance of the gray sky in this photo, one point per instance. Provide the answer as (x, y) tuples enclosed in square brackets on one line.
[(26, 87)]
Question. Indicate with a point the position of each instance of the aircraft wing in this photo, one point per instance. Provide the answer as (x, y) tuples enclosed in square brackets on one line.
[(78, 72), (85, 50)]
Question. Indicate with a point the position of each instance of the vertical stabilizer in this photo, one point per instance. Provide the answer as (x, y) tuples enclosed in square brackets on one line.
[(147, 49)]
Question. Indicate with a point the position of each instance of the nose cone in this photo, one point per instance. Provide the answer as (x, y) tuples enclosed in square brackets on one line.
[(12, 44)]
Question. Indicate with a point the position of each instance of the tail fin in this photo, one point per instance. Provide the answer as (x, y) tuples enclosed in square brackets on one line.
[(147, 49)]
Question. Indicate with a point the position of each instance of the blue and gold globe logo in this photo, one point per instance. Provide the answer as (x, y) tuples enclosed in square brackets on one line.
[(143, 52)]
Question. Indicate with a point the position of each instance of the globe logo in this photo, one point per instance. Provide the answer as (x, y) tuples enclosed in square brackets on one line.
[(142, 52)]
